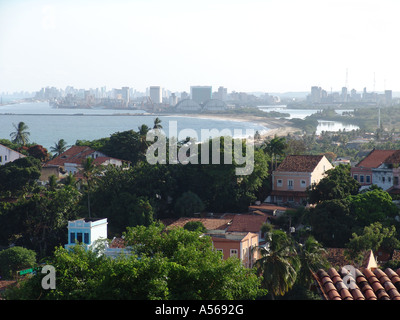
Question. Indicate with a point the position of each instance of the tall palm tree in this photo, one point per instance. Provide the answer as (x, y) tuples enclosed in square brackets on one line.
[(275, 147), (157, 123), (89, 171), (312, 257), (20, 136), (278, 263), (143, 143), (59, 147)]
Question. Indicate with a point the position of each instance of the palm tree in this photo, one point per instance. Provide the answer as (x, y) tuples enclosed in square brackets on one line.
[(278, 263), (157, 123), (59, 147), (20, 136), (143, 143), (312, 257), (89, 171), (275, 147)]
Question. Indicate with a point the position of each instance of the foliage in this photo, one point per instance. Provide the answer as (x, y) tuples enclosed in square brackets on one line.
[(338, 184), (39, 222), (372, 206), (188, 204), (278, 263), (14, 259), (39, 152), (195, 226), (18, 175), (164, 265), (374, 237), (20, 136)]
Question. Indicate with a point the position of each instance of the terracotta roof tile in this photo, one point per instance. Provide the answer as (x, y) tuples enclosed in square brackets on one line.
[(299, 163), (247, 223), (368, 284), (375, 158), (209, 223)]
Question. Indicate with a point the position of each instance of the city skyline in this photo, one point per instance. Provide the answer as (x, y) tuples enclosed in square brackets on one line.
[(252, 46)]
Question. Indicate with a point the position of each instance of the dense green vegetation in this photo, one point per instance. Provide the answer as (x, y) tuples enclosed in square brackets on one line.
[(179, 264)]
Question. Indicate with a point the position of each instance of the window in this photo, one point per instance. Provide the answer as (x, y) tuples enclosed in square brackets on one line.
[(290, 184), (368, 179), (1, 159), (279, 183), (383, 179), (86, 238), (72, 237), (234, 253), (396, 181), (361, 178), (79, 237), (290, 199), (355, 176), (222, 252), (5, 158)]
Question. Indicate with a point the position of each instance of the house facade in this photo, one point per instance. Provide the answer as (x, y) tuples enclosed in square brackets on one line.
[(89, 231), (71, 161), (8, 155), (236, 244), (371, 170), (292, 177)]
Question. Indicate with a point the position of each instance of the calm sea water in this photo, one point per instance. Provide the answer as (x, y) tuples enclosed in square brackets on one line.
[(302, 113), (47, 125)]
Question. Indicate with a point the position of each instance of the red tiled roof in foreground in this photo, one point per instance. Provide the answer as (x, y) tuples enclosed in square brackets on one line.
[(358, 284)]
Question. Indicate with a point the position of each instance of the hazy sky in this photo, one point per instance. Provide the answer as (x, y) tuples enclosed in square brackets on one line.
[(249, 45)]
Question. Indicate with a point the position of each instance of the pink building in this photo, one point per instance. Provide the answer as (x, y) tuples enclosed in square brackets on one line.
[(292, 177)]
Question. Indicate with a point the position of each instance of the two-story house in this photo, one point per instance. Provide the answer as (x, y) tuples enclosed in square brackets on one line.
[(292, 177), (71, 161), (8, 155), (371, 170)]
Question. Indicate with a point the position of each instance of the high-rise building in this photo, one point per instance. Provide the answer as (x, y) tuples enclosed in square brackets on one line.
[(201, 94), (222, 93), (125, 94), (156, 94)]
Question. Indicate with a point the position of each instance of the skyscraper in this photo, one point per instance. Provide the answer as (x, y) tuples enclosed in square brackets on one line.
[(156, 94), (201, 94)]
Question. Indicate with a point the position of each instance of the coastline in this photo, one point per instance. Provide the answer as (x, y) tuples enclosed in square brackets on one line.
[(278, 127)]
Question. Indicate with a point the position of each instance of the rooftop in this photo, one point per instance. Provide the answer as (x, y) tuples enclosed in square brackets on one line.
[(375, 158), (358, 284), (299, 163)]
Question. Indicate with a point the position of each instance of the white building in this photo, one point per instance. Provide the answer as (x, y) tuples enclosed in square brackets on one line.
[(92, 232), (8, 155)]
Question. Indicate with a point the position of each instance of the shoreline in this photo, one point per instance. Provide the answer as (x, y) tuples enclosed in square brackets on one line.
[(278, 127)]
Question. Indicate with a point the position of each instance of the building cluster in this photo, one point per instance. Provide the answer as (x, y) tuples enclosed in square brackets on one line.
[(321, 96), (155, 98)]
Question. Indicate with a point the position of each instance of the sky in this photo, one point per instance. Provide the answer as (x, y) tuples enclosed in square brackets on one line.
[(245, 46)]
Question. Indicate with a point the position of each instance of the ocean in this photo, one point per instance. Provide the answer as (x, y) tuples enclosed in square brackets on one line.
[(47, 125)]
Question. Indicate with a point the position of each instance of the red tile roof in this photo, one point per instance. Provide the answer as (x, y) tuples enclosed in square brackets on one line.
[(209, 223), (75, 154), (247, 223), (375, 158), (358, 284), (299, 163)]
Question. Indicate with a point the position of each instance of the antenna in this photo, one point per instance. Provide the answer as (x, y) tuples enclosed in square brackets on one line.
[(374, 82)]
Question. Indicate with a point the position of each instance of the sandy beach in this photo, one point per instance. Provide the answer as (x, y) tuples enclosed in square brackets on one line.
[(278, 127)]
